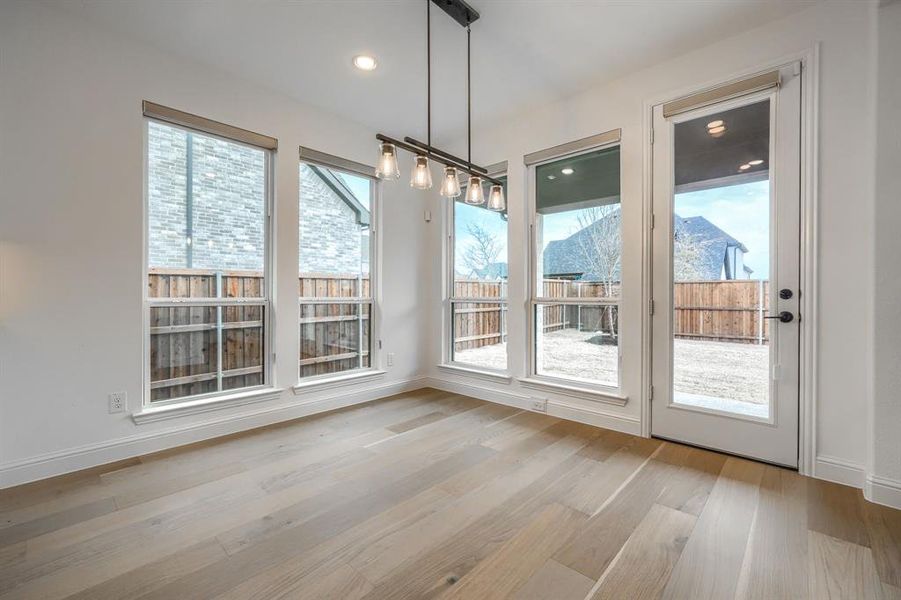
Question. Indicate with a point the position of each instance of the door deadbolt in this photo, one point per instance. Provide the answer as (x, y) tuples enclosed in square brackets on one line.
[(785, 293)]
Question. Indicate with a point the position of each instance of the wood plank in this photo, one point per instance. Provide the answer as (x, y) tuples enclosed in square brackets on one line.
[(511, 566), (642, 568), (711, 561), (840, 570), (553, 580), (835, 510), (884, 532), (775, 565), (417, 422)]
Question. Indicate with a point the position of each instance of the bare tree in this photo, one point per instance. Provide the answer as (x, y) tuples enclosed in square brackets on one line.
[(600, 245), (482, 250), (689, 253)]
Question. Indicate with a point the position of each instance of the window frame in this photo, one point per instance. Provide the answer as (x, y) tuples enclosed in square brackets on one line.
[(208, 128), (497, 171), (337, 163), (610, 139)]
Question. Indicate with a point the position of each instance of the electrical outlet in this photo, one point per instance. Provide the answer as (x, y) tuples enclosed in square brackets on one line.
[(117, 401), (391, 359), (538, 405)]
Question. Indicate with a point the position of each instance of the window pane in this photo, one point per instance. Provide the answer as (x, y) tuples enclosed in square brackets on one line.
[(579, 247), (480, 271), (480, 334), (721, 261), (206, 202), (333, 338), (206, 239), (335, 216), (335, 213), (577, 342)]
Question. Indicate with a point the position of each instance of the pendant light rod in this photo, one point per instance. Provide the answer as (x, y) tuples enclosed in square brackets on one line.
[(438, 158), (428, 54), (468, 101), (447, 155)]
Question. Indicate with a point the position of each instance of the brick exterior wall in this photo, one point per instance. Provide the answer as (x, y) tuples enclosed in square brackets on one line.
[(228, 218), (330, 235)]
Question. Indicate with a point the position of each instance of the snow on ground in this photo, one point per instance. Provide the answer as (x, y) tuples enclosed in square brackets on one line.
[(716, 369)]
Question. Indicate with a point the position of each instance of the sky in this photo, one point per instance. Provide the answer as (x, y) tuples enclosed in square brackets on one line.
[(742, 211), (358, 185), (487, 219)]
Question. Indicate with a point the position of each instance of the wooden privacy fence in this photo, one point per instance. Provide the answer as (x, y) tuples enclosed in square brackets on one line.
[(185, 341), (729, 311)]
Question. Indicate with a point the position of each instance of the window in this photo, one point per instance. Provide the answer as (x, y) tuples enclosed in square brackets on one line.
[(478, 285), (207, 288), (335, 279), (576, 274)]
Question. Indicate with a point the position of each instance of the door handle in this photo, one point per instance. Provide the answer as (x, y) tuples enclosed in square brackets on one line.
[(784, 316)]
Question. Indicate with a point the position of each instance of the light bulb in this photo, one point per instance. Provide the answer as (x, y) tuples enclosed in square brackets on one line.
[(387, 168), (421, 178), (474, 192), (496, 199), (450, 186)]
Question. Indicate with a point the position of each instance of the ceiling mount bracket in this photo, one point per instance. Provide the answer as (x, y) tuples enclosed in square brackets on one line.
[(459, 11)]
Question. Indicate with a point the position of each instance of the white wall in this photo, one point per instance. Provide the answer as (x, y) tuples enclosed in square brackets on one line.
[(846, 31), (71, 228), (884, 483)]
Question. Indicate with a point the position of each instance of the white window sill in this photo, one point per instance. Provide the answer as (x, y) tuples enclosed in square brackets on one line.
[(151, 414), (329, 382), (485, 374), (587, 393)]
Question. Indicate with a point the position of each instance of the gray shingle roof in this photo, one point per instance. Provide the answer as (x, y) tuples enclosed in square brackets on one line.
[(565, 257)]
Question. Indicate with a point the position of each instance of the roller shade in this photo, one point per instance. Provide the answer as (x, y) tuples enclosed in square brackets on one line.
[(602, 139), (183, 119), (720, 93), (336, 162)]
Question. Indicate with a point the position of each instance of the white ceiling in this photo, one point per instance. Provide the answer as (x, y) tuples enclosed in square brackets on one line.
[(525, 52)]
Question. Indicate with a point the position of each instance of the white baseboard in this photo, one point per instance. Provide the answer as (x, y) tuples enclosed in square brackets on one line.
[(555, 408), (92, 455), (841, 471), (883, 490)]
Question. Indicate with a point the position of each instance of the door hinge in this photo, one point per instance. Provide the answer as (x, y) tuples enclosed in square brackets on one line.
[(651, 394), (653, 220), (652, 136), (651, 307)]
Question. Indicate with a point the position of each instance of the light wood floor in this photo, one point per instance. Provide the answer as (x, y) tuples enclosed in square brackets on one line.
[(430, 495)]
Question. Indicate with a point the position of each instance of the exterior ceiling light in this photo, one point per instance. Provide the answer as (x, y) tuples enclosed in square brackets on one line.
[(552, 177), (364, 62), (717, 131), (755, 162), (567, 171), (424, 152), (714, 124), (744, 167)]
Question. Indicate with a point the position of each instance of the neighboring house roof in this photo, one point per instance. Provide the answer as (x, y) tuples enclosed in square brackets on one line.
[(715, 242), (566, 259), (340, 188), (496, 270)]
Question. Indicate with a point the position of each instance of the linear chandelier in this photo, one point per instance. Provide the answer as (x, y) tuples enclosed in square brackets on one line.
[(424, 152)]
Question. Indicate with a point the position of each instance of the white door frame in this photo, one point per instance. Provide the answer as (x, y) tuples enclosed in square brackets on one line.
[(809, 243)]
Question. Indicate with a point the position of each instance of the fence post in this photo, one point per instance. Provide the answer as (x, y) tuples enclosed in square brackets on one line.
[(760, 314), (219, 332), (579, 306)]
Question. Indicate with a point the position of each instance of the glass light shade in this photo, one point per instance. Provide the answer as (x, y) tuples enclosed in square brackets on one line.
[(496, 200), (421, 179), (450, 186), (387, 168), (474, 192)]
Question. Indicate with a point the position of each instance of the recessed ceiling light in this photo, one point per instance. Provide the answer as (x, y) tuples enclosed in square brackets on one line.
[(552, 177), (717, 123), (717, 131), (755, 162), (566, 171), (364, 62), (745, 167)]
